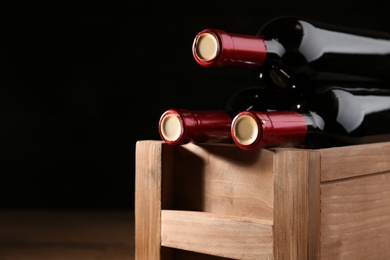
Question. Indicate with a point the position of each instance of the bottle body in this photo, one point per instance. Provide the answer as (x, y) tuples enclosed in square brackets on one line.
[(335, 117), (301, 52), (292, 54)]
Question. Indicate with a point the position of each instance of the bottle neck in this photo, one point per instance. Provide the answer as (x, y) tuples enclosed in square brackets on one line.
[(212, 48), (255, 129), (314, 122), (275, 48), (180, 126)]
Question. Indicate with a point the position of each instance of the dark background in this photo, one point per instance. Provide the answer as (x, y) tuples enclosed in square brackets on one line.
[(81, 84)]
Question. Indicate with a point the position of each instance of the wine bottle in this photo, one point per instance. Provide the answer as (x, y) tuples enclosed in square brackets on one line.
[(294, 54), (333, 118), (180, 126)]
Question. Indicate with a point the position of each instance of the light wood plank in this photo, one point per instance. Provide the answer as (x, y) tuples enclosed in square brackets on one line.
[(356, 160), (149, 169), (297, 208), (355, 218), (224, 179), (313, 197), (225, 236)]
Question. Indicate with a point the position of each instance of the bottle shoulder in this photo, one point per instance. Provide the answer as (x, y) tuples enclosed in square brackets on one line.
[(350, 114), (292, 20), (285, 30)]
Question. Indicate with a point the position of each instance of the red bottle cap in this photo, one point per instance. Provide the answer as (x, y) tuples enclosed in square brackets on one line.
[(180, 126), (253, 129), (218, 48)]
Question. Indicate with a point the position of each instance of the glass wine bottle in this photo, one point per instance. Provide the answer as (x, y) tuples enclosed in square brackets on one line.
[(294, 54), (180, 126), (333, 118)]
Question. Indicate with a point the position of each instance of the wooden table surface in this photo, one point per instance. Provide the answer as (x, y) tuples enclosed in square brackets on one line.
[(57, 235)]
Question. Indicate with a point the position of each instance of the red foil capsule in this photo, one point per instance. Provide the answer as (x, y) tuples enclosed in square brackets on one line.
[(180, 126), (254, 129), (217, 48)]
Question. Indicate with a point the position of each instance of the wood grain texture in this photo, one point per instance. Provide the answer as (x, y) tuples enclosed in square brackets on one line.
[(355, 218), (356, 160), (297, 208), (226, 236), (148, 179), (223, 179), (307, 204)]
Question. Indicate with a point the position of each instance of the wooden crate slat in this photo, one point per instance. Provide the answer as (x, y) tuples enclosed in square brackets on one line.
[(203, 181), (355, 218), (356, 160), (209, 233), (148, 166), (297, 204)]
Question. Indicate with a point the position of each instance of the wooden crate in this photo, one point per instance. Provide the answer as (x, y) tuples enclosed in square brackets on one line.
[(216, 201)]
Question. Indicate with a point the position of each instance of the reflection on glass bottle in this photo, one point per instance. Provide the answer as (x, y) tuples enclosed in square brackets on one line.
[(334, 117), (293, 54)]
